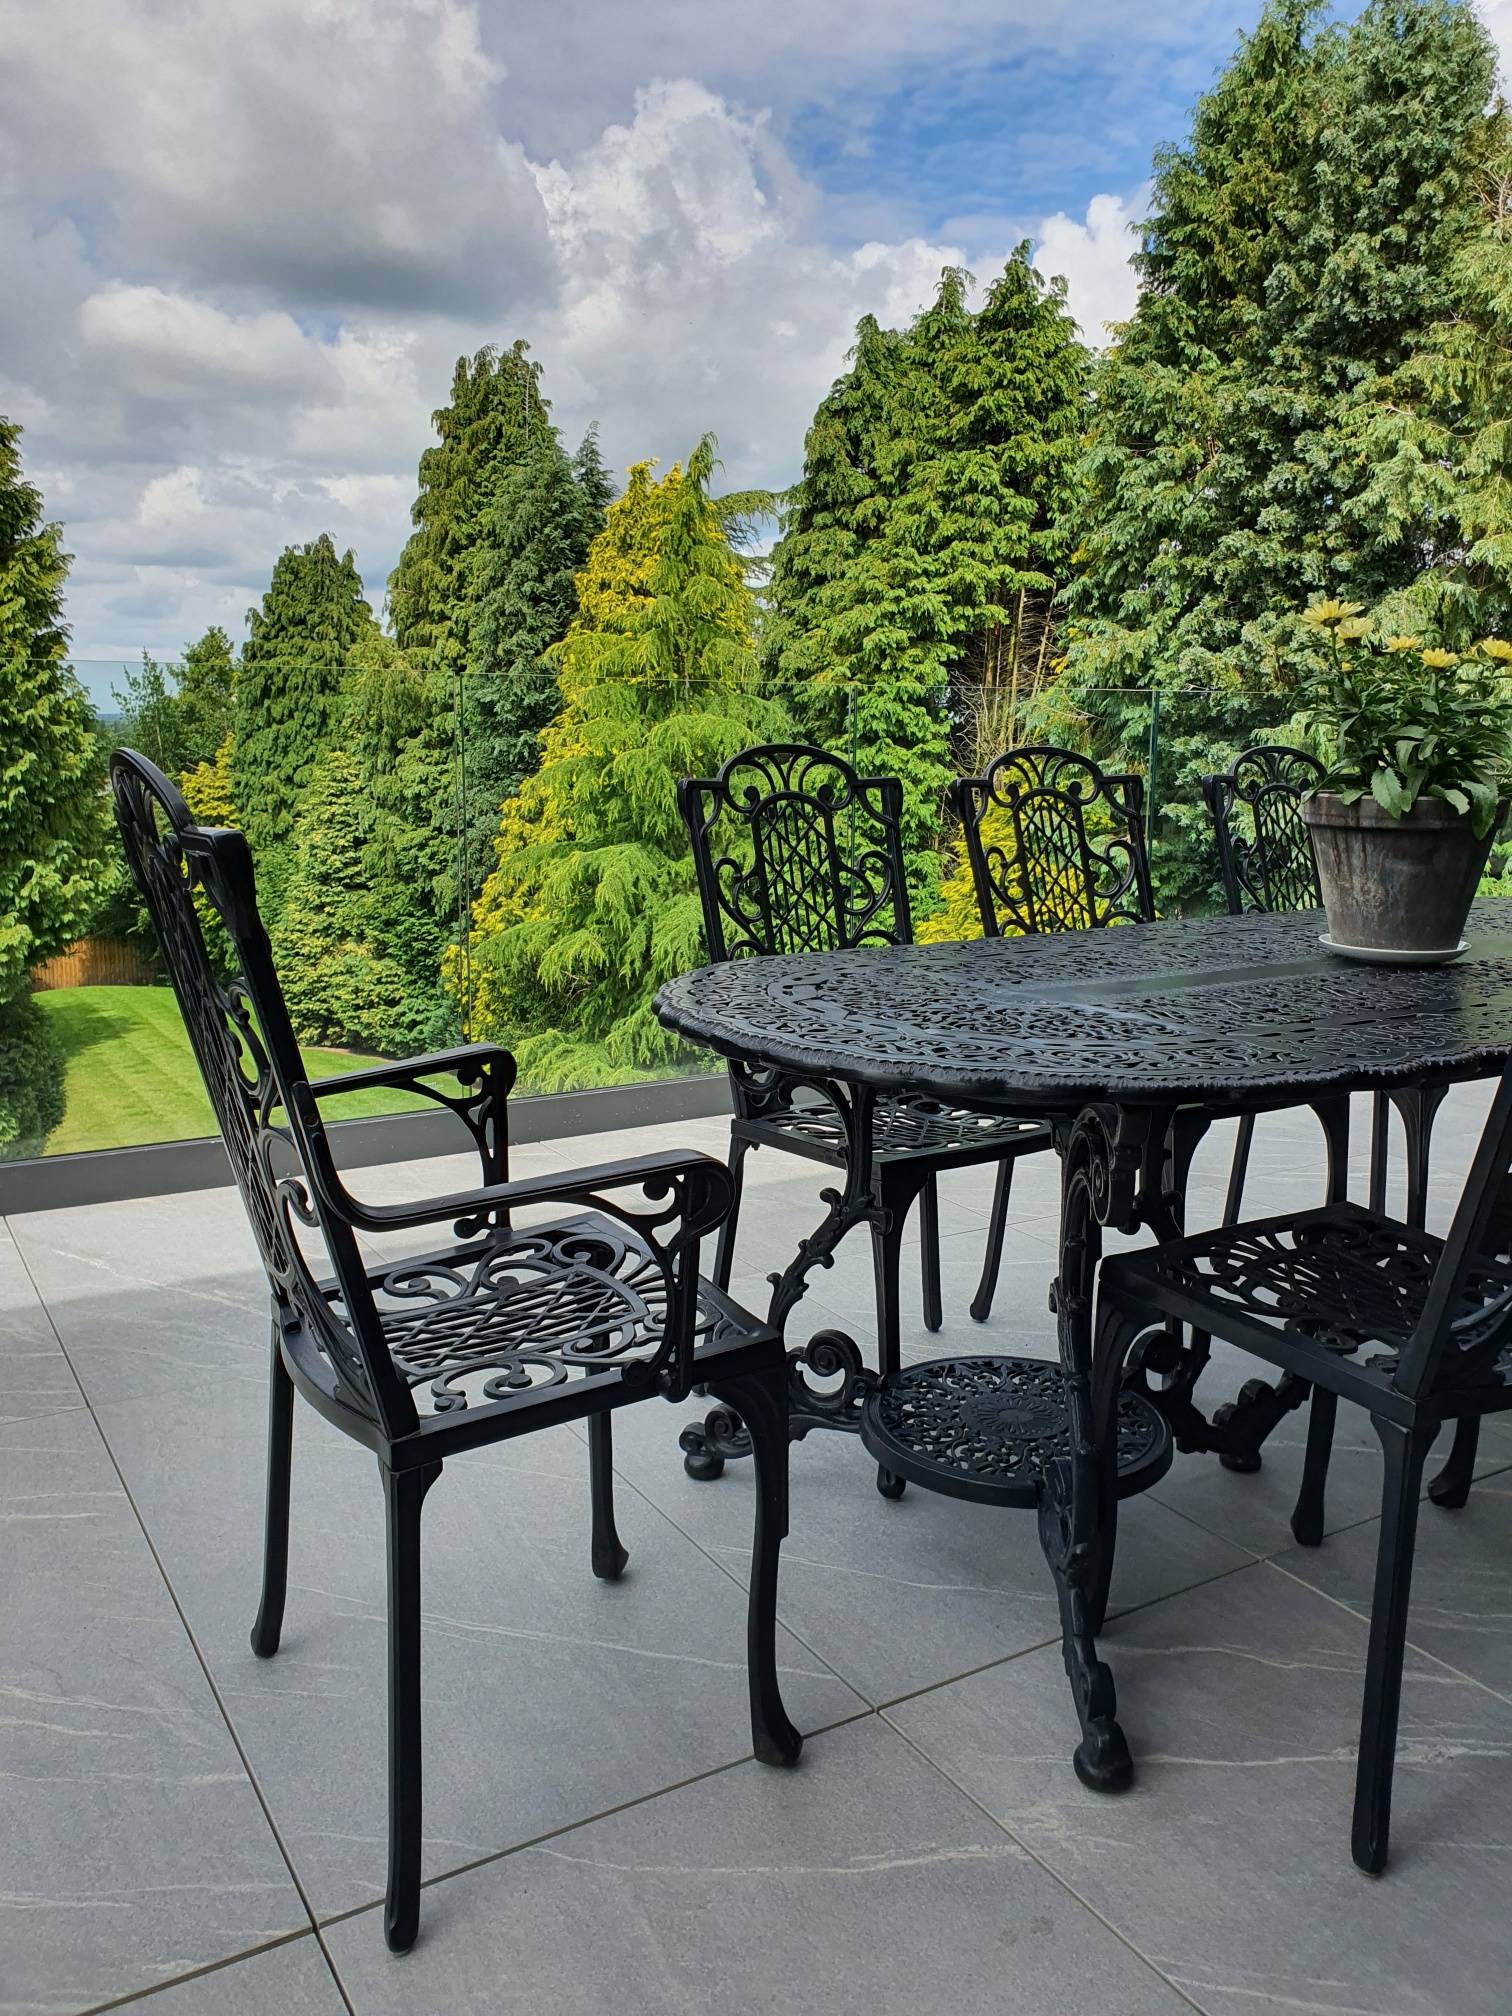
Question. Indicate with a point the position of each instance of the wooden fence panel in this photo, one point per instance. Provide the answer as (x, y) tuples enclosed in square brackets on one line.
[(94, 962)]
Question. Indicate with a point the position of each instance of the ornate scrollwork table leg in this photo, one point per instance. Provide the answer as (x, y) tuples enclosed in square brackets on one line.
[(829, 1356), (1108, 1159)]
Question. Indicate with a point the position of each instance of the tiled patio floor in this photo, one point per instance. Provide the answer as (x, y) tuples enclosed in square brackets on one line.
[(184, 1822)]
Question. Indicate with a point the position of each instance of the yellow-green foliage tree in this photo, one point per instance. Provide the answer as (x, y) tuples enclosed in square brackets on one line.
[(593, 904)]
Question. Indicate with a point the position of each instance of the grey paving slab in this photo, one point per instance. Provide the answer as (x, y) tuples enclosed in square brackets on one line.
[(1462, 1579), (859, 1882), (158, 1296), (901, 1595), (288, 1980), (549, 1696), (34, 1374), (133, 1848), (1228, 1863)]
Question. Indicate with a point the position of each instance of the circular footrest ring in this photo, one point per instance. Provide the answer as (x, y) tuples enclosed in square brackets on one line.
[(988, 1428)]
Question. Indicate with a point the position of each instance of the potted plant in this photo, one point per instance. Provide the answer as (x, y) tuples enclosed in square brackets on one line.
[(1416, 741)]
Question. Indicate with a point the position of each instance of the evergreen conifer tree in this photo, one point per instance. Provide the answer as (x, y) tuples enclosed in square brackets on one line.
[(546, 514), (52, 805), (341, 987), (593, 902), (1270, 426), (289, 695), (928, 535)]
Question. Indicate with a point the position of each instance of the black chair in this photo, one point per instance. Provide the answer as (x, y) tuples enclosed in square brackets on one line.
[(1415, 1329), (796, 852), (1265, 856), (498, 1332), (1055, 843)]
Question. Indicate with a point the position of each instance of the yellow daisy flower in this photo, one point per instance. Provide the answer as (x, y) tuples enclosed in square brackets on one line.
[(1441, 660), (1497, 647), (1355, 626), (1324, 613), (1404, 642)]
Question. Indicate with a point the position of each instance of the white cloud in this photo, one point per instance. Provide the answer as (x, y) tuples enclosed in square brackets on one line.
[(1093, 257), (249, 240)]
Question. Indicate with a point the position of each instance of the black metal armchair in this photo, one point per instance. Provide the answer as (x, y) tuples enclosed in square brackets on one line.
[(1415, 1329), (497, 1332), (1265, 857), (1055, 844), (796, 852)]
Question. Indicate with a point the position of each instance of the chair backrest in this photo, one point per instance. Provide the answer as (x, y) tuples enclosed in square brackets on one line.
[(1466, 1325), (1055, 843), (1265, 851), (796, 852), (253, 1072)]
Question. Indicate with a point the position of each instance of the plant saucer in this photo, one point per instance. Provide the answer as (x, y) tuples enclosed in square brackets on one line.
[(1385, 955)]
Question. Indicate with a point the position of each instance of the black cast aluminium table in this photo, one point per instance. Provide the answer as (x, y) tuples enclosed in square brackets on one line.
[(1129, 1042)]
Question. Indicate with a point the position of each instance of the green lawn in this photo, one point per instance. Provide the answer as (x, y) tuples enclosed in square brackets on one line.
[(131, 1076)]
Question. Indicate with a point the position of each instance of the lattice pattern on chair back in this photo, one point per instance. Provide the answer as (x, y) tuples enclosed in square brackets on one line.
[(795, 852), (1055, 843), (1264, 848), (1467, 1320), (254, 1074)]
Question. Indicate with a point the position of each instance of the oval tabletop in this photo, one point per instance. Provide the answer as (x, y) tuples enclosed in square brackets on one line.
[(1189, 1008)]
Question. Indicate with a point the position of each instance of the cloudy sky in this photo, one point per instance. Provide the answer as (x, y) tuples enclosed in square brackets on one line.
[(242, 241)]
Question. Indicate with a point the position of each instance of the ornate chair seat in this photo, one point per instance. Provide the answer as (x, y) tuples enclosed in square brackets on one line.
[(903, 1124), (1338, 1280), (521, 1312)]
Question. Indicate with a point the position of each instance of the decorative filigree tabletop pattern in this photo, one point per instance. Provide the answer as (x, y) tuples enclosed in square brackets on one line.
[(1143, 1014)]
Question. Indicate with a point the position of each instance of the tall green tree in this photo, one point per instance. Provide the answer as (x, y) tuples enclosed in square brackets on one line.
[(340, 983), (1268, 427), (547, 512), (494, 413), (179, 715), (52, 808), (929, 534), (290, 694), (593, 902)]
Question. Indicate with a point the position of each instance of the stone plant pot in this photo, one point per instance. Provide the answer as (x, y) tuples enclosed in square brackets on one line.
[(1396, 887)]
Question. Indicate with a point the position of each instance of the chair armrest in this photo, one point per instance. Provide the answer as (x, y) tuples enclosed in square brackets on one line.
[(400, 1070), (485, 1072), (566, 1186)]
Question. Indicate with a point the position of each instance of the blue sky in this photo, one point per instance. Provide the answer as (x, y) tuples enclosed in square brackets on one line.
[(244, 241)]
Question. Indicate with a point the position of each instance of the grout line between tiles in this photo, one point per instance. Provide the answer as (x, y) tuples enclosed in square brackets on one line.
[(1061, 1882), (194, 1645)]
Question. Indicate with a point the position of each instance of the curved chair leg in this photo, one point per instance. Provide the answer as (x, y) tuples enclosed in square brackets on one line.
[(1451, 1487), (1419, 1110), (929, 1251), (1239, 1169), (404, 1494), (1405, 1450), (887, 1247), (609, 1557), (992, 1259), (1116, 1331), (268, 1628), (1307, 1514), (1380, 1133), (724, 1245), (761, 1402)]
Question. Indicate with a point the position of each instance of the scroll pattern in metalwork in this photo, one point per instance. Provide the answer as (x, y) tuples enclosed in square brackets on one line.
[(906, 1124), (1055, 843), (529, 1308), (168, 864), (1264, 848), (995, 1425), (795, 852), (1345, 1279), (1235, 1005)]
